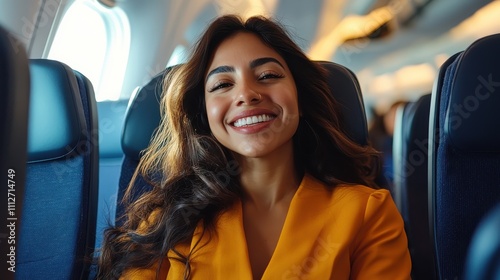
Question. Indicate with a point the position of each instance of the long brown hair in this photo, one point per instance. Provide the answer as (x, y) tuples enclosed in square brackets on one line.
[(195, 178)]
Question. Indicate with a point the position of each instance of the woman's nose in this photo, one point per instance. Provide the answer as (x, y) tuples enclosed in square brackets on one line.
[(248, 95)]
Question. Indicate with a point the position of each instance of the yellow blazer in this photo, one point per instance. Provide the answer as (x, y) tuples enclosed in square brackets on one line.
[(350, 232)]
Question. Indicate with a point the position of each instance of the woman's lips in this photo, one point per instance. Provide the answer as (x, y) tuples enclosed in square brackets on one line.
[(252, 121)]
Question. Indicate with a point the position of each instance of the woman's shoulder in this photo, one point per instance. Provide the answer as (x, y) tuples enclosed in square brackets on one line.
[(364, 199), (361, 192), (344, 191), (349, 206), (358, 200)]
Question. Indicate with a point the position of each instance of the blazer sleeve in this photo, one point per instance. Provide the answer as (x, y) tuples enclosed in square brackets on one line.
[(381, 250)]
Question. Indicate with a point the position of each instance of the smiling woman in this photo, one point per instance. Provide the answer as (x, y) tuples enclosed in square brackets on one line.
[(302, 201), (250, 81)]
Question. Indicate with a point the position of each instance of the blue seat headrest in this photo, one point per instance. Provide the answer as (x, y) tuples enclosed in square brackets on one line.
[(474, 82), (142, 117), (143, 114), (56, 119)]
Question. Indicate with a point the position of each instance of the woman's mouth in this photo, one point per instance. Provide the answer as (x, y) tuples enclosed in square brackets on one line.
[(251, 120)]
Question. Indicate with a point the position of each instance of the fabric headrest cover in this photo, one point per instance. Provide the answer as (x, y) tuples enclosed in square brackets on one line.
[(472, 116), (56, 120), (142, 117), (143, 114)]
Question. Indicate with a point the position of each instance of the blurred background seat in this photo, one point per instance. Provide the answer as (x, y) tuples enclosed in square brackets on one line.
[(411, 136)]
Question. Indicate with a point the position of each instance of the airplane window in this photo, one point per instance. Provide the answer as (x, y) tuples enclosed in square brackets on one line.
[(94, 40), (178, 56)]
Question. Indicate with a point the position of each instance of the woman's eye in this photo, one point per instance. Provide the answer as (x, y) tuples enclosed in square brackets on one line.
[(219, 85), (270, 75)]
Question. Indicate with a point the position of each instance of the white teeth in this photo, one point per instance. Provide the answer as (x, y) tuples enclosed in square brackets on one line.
[(252, 120)]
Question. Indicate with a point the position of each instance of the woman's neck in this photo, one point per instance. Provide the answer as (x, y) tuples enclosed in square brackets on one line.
[(269, 180)]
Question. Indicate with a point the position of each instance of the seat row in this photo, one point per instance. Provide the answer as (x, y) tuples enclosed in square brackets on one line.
[(447, 162)]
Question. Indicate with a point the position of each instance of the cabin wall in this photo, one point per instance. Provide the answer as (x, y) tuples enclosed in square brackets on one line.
[(32, 21)]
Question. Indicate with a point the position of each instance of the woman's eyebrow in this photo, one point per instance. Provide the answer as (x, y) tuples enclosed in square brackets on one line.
[(263, 60), (220, 69), (253, 64)]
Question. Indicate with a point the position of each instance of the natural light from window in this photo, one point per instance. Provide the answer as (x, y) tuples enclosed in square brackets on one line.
[(178, 56), (94, 40)]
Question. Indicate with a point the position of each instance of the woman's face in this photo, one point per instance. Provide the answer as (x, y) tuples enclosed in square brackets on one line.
[(250, 97)]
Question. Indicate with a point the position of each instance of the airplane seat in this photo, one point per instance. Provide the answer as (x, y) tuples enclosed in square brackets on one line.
[(57, 227), (15, 93), (111, 116), (347, 92), (483, 255), (402, 118), (464, 154), (143, 116), (91, 118), (411, 134)]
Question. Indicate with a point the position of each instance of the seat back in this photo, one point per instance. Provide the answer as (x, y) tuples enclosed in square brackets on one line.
[(483, 255), (58, 220), (90, 112), (14, 93), (411, 134), (465, 155), (346, 90), (143, 117)]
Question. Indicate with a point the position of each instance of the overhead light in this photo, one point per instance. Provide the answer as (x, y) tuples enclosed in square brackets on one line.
[(354, 27), (376, 24)]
